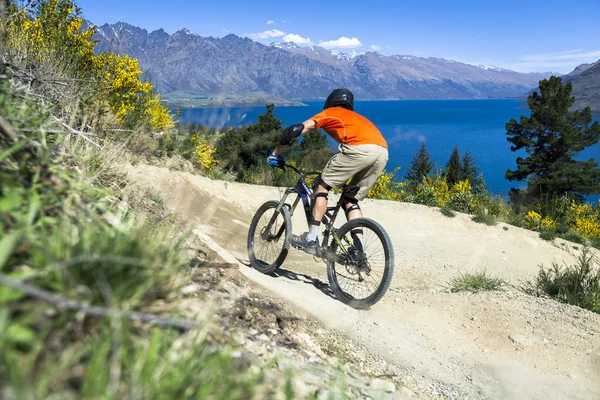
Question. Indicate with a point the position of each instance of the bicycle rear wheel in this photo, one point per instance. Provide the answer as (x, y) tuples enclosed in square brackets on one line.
[(269, 237), (359, 276)]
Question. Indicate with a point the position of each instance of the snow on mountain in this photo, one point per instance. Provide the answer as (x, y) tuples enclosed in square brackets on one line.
[(492, 68), (284, 45), (345, 56)]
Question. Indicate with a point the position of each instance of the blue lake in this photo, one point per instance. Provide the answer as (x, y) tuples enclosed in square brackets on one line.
[(476, 125)]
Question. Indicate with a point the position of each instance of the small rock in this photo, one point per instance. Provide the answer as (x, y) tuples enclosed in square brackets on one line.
[(263, 338), (191, 289), (383, 385), (521, 339)]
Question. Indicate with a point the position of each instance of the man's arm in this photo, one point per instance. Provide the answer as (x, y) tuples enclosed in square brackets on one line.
[(308, 125)]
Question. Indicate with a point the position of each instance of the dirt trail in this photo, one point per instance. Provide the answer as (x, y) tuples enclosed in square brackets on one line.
[(462, 340)]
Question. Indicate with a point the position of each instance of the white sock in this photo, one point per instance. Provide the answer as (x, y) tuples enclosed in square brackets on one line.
[(312, 233)]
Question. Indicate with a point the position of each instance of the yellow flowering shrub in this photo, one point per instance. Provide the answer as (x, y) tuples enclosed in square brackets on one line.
[(385, 187), (49, 26), (119, 76), (437, 185), (46, 31), (460, 196), (586, 221), (460, 187), (547, 223), (159, 117), (204, 153), (532, 220)]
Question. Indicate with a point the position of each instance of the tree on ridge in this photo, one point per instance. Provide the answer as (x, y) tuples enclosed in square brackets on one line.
[(553, 137)]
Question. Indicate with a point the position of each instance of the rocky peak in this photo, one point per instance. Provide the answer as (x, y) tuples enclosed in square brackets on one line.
[(284, 45), (345, 56)]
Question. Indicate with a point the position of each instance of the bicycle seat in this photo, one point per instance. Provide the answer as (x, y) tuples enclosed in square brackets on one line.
[(350, 190)]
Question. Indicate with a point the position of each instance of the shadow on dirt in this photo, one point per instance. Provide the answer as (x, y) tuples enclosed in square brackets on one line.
[(293, 276)]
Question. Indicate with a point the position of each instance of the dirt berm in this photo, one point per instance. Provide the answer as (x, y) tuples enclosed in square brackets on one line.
[(499, 345)]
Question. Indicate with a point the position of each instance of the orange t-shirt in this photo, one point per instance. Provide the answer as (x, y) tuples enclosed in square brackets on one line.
[(348, 127)]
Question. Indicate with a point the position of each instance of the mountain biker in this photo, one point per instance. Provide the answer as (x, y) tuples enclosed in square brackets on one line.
[(362, 155)]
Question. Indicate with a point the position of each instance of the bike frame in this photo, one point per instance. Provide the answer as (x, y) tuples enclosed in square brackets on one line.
[(303, 193)]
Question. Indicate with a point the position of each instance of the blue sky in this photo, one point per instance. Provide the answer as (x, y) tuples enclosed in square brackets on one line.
[(525, 35)]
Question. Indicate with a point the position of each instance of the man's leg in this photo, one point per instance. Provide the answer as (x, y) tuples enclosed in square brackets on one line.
[(353, 211), (318, 210)]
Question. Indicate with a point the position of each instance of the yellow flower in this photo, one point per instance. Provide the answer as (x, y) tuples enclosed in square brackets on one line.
[(548, 223), (205, 154), (532, 220), (385, 187)]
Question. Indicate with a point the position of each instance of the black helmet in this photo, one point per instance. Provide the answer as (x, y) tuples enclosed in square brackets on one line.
[(340, 98)]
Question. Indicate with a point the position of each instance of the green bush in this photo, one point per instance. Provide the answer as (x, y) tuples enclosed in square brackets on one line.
[(548, 234), (577, 284), (447, 212), (484, 219), (475, 282)]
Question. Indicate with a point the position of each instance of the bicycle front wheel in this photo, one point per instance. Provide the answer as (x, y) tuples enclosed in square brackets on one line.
[(269, 237), (361, 271)]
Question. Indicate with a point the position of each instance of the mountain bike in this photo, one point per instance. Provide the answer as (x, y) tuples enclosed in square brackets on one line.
[(359, 254)]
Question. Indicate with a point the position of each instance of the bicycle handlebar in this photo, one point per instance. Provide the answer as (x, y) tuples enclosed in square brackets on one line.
[(300, 172)]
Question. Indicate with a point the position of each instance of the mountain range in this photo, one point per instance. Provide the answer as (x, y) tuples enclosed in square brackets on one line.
[(186, 64), (586, 87)]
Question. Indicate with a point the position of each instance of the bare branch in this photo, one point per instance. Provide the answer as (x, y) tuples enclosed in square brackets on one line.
[(76, 132), (66, 304)]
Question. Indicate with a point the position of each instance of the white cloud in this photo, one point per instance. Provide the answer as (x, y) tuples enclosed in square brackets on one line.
[(266, 34), (564, 61), (270, 22), (341, 43), (374, 47), (226, 30), (299, 40)]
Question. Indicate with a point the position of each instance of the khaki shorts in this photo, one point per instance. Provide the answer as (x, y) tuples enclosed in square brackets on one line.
[(363, 163)]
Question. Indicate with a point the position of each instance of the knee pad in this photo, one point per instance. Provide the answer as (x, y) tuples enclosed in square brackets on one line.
[(353, 207), (325, 195)]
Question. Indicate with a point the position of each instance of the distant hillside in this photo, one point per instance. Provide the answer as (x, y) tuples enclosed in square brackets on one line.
[(233, 66), (586, 86)]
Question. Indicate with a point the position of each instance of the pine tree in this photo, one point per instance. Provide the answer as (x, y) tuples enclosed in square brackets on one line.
[(420, 166), (453, 171), (553, 137), (314, 150), (468, 168)]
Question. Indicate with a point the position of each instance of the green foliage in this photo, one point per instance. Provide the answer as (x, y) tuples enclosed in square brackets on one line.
[(420, 166), (239, 149), (447, 212), (243, 151), (577, 284), (60, 232), (469, 171), (548, 234), (314, 151), (553, 137), (484, 219), (453, 172), (475, 282)]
